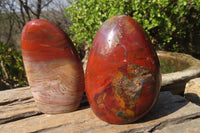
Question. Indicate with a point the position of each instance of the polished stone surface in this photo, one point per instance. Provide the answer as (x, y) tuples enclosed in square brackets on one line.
[(123, 73), (53, 67)]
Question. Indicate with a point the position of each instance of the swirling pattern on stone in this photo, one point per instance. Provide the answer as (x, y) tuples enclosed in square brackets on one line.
[(53, 67)]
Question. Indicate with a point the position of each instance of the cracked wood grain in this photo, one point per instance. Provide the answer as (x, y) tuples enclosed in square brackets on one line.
[(18, 113)]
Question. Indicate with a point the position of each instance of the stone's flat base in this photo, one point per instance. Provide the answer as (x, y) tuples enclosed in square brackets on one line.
[(192, 91), (55, 109), (19, 114)]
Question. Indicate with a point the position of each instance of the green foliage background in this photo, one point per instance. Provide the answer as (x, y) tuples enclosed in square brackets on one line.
[(11, 68), (171, 24)]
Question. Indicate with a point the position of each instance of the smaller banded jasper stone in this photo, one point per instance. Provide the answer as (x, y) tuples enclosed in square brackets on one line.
[(53, 67), (123, 75)]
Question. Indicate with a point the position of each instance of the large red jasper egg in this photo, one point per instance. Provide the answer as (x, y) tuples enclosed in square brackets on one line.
[(123, 75), (53, 67)]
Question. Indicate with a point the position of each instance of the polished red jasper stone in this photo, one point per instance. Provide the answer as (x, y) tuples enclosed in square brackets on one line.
[(41, 41), (53, 67), (123, 75)]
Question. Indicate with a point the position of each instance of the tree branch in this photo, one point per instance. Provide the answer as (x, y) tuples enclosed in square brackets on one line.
[(46, 4), (39, 8), (22, 12), (4, 70), (27, 8), (11, 24)]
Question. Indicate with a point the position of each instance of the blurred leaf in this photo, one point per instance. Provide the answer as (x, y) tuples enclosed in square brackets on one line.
[(168, 23), (13, 65)]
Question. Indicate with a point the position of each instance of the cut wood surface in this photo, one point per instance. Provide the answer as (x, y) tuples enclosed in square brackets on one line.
[(19, 114)]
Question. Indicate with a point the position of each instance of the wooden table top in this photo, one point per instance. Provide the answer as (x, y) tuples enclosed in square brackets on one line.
[(19, 114)]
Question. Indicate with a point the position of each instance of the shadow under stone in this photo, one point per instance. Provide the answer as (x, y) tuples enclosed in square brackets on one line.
[(194, 98), (167, 104)]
